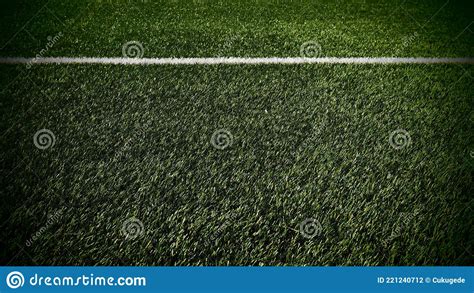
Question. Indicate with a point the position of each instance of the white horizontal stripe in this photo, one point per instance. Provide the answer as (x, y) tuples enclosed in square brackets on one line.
[(234, 60)]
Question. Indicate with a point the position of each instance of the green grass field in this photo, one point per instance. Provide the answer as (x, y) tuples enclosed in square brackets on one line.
[(134, 146)]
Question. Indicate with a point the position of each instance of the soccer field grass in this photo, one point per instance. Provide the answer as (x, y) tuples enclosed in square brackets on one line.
[(316, 164)]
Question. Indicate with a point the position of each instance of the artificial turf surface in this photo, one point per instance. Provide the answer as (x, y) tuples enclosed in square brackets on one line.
[(256, 28), (309, 141)]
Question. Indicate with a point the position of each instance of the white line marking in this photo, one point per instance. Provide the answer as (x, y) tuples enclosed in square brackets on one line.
[(234, 60)]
